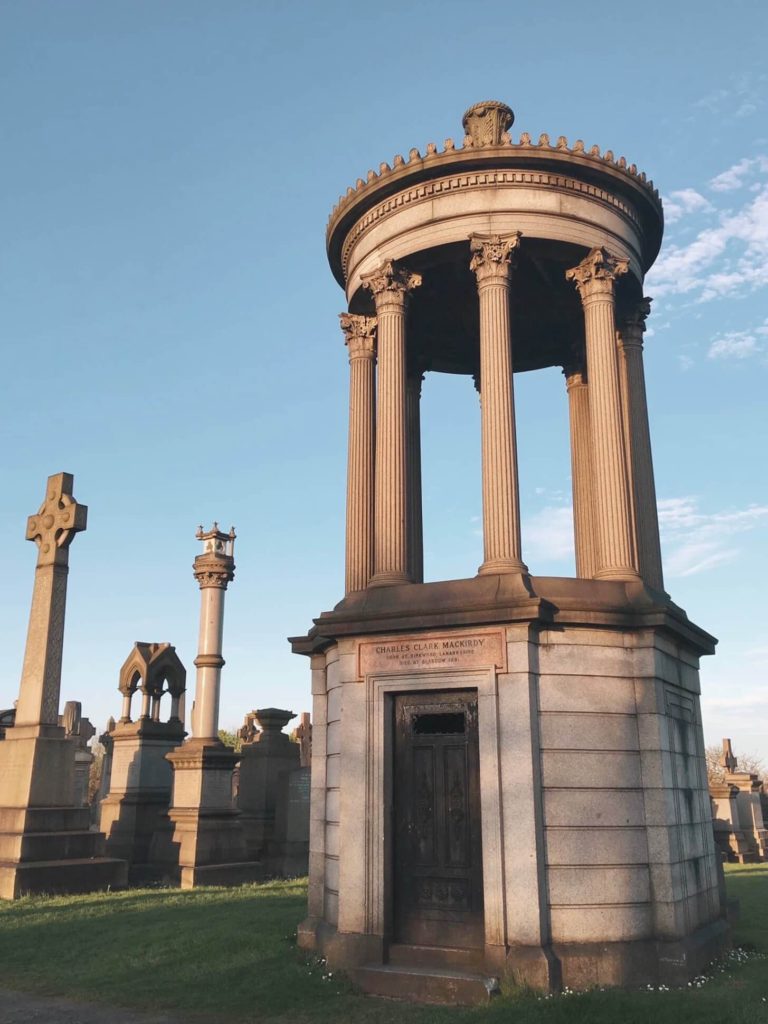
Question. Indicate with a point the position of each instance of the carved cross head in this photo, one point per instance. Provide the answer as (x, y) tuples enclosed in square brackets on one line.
[(57, 521)]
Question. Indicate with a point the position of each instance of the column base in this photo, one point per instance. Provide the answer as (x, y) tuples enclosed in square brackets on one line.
[(497, 566), (389, 579), (618, 573)]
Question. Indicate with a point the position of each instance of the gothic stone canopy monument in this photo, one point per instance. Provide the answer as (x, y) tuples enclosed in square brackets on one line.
[(508, 770)]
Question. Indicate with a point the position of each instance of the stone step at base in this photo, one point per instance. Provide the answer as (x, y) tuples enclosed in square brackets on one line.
[(45, 846), (87, 874), (471, 960), (44, 819), (425, 984), (238, 873)]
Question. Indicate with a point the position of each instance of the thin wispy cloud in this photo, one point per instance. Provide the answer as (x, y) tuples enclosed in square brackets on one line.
[(729, 258), (738, 345), (742, 97), (738, 175), (683, 202), (548, 535), (695, 541)]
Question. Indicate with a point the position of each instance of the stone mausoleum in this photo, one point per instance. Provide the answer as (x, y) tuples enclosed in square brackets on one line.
[(508, 771)]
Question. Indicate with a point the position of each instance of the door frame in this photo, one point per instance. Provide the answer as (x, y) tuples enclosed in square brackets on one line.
[(379, 749)]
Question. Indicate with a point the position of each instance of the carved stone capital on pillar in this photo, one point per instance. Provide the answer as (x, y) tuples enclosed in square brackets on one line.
[(493, 256), (359, 335), (595, 275), (212, 573), (390, 285), (632, 327)]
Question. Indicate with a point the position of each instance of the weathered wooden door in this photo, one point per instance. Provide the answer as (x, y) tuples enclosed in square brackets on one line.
[(438, 874)]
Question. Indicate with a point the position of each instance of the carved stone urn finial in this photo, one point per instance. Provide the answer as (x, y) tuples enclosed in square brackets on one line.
[(485, 123)]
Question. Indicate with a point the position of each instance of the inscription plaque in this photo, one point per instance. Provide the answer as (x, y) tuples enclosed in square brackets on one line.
[(428, 651)]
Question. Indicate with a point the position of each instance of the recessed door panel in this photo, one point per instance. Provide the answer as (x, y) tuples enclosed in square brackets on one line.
[(438, 879)]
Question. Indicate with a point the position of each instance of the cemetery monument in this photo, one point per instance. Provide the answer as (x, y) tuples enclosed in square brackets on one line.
[(45, 841), (508, 770)]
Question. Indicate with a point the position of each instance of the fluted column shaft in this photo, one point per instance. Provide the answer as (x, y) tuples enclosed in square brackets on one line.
[(213, 573), (491, 262), (595, 277), (637, 438), (415, 520), (391, 286), (359, 332), (584, 526)]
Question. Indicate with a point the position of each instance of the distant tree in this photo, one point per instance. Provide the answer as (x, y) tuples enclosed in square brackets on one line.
[(231, 738), (746, 763)]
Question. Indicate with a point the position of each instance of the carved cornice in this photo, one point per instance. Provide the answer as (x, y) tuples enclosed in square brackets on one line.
[(359, 335), (493, 256), (526, 156), (487, 123), (597, 272), (481, 180), (391, 284)]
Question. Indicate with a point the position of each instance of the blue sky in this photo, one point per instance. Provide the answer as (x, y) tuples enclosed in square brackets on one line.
[(169, 322)]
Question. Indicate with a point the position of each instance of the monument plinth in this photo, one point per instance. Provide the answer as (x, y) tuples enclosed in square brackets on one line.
[(45, 842), (202, 840), (507, 770)]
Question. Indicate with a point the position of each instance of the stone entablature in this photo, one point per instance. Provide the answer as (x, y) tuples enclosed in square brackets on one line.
[(588, 173)]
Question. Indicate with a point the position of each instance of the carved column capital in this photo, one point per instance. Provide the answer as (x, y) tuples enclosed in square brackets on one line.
[(213, 572), (390, 285), (493, 256), (359, 335), (632, 327), (595, 275), (575, 376)]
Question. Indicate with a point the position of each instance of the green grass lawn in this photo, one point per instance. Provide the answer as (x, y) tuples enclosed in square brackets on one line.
[(228, 955)]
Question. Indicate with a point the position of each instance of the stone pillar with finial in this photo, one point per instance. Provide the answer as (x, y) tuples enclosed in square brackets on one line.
[(201, 841)]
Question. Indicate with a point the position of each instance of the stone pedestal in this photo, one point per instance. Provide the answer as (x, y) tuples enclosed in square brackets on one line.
[(593, 825), (139, 790), (201, 842), (46, 845), (263, 763)]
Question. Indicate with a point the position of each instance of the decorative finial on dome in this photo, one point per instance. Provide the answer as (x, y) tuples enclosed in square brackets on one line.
[(485, 123)]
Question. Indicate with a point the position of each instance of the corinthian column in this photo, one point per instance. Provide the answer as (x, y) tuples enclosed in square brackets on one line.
[(413, 430), (637, 439), (491, 263), (391, 286), (594, 277), (359, 338), (584, 527)]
